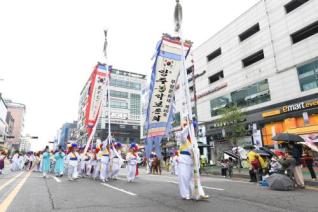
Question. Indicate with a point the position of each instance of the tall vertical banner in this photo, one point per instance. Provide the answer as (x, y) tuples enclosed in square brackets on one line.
[(99, 77), (166, 68)]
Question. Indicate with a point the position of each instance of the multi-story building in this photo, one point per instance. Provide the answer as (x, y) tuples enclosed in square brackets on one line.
[(266, 62), (10, 124), (3, 124), (17, 111), (125, 103), (66, 134)]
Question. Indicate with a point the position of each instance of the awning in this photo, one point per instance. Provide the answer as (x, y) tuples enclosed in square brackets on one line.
[(304, 130)]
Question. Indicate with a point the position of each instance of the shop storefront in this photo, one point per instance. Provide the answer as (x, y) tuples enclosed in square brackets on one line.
[(298, 117)]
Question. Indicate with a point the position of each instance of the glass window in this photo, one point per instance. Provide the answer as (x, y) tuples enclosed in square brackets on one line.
[(251, 95), (219, 103), (308, 76), (135, 104)]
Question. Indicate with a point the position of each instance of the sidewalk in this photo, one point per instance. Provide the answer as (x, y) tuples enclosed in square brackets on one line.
[(215, 170)]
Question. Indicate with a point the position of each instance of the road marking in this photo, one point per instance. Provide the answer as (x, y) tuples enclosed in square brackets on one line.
[(57, 179), (218, 189), (119, 189), (6, 203), (10, 181)]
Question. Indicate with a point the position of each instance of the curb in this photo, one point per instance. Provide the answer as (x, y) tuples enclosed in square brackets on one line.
[(244, 176)]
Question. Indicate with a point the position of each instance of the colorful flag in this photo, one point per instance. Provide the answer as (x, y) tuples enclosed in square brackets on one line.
[(166, 68), (97, 90)]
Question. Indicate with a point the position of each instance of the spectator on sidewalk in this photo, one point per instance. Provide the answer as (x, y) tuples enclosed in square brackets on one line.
[(257, 164), (2, 158), (309, 160), (297, 151), (230, 165)]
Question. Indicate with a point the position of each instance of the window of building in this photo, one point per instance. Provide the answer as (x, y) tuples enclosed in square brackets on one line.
[(249, 32), (308, 76), (125, 84), (118, 104), (135, 104), (250, 95), (305, 32), (216, 77), (214, 54), (118, 94), (253, 58), (294, 4), (216, 105)]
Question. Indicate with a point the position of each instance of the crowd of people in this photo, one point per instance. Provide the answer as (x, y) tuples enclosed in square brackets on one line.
[(103, 162), (288, 163)]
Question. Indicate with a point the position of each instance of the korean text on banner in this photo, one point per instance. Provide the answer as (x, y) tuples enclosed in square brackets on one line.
[(96, 92), (166, 70)]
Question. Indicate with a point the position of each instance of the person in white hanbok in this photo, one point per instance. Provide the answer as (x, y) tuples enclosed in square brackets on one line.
[(15, 162), (186, 167), (132, 160), (104, 160), (116, 160), (73, 160)]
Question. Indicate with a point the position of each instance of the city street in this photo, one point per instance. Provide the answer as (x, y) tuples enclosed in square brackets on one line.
[(26, 191)]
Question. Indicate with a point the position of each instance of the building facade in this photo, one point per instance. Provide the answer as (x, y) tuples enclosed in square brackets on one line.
[(3, 123), (66, 134), (125, 103), (266, 62), (17, 111)]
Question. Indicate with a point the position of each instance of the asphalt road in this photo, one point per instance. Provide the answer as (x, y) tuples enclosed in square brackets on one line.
[(27, 191)]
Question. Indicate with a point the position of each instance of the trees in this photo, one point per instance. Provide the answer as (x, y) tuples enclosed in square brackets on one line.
[(232, 120)]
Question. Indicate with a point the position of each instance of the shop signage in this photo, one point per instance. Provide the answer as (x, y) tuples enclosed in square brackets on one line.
[(291, 108)]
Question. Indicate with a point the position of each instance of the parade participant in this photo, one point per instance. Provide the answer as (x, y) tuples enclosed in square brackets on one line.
[(73, 161), (37, 162), (59, 162), (89, 167), (2, 158), (15, 162), (186, 167), (31, 160), (95, 164), (21, 161), (174, 162), (117, 160), (85, 159), (46, 161), (104, 161), (132, 158)]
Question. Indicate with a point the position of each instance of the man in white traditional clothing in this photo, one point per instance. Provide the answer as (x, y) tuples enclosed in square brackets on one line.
[(15, 162), (104, 161), (73, 159), (186, 167), (132, 159), (116, 161)]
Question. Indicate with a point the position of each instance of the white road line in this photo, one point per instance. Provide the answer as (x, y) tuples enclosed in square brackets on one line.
[(218, 189), (57, 179), (10, 181), (119, 189)]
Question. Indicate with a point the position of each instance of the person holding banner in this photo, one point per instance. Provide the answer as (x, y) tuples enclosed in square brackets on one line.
[(186, 167), (73, 159), (132, 159), (104, 161)]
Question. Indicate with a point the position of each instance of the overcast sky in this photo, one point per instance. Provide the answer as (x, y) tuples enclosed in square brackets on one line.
[(49, 48)]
